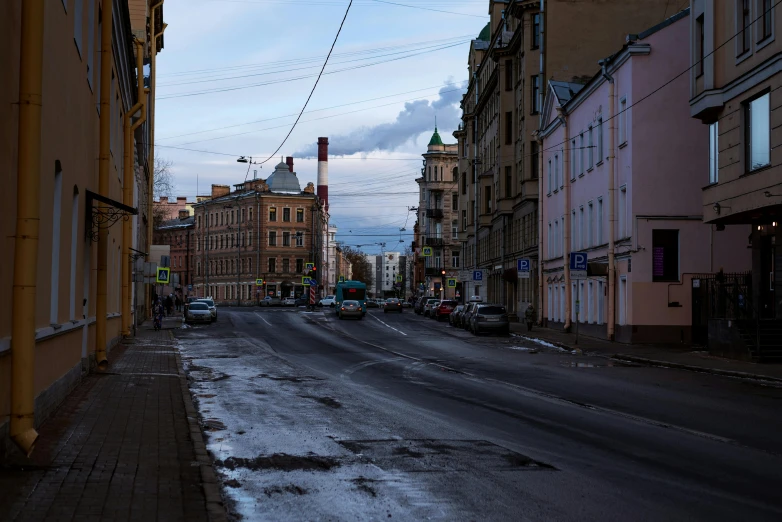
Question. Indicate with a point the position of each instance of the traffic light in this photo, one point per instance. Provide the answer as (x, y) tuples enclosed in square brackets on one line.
[(443, 272)]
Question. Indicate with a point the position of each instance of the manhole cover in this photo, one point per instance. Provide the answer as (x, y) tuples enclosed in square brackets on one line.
[(433, 455)]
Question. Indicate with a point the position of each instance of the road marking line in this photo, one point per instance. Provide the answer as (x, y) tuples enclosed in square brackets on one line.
[(360, 366), (262, 319), (387, 325)]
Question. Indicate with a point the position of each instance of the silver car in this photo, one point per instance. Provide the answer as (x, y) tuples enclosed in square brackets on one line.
[(198, 312), (430, 303), (350, 309), (211, 304)]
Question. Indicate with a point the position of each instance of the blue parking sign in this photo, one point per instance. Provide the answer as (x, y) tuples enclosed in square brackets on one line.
[(578, 260), (523, 265), (477, 275)]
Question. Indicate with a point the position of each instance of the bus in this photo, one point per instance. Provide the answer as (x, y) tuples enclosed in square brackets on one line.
[(351, 291)]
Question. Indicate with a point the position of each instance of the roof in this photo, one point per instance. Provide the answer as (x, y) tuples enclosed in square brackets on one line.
[(565, 90), (177, 223), (283, 180), (485, 33), (436, 140)]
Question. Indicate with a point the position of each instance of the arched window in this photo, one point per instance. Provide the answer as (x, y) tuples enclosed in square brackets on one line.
[(74, 249), (56, 218)]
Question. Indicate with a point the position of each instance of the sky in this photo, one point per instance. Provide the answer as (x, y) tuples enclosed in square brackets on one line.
[(234, 74)]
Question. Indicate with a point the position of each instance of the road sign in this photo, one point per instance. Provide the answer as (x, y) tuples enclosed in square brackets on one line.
[(523, 266), (163, 275), (189, 288), (306, 281), (341, 279), (465, 275), (578, 307), (309, 266), (578, 265), (259, 282), (165, 261), (451, 282), (477, 275), (399, 278), (427, 252)]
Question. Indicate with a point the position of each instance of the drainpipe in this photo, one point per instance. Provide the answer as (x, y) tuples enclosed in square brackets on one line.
[(566, 225), (542, 246), (151, 161), (127, 189), (611, 197), (28, 177), (104, 156)]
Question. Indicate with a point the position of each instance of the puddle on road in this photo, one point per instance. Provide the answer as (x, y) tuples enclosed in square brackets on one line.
[(279, 490), (288, 378), (213, 425), (280, 461), (365, 485), (326, 401)]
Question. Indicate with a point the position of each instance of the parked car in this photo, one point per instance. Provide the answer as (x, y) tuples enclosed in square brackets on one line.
[(392, 305), (211, 304), (407, 304), (442, 310), (371, 303), (489, 318), (430, 303), (271, 300), (303, 300), (455, 316), (464, 318), (289, 301), (418, 307), (350, 309), (198, 312), (328, 301)]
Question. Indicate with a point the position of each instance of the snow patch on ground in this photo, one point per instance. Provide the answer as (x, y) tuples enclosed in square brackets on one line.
[(543, 343)]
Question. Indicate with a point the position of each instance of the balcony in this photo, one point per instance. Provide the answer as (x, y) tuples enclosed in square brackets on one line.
[(434, 241), (436, 213)]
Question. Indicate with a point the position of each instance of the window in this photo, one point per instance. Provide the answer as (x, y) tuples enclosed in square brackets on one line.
[(581, 168), (508, 127), (232, 217), (487, 207), (508, 75), (299, 215), (535, 31), (535, 105), (454, 202), (272, 238), (508, 182), (590, 225), (573, 242), (272, 214), (286, 266), (286, 215), (55, 265), (599, 221), (249, 239), (758, 130), (767, 19), (699, 39), (90, 38), (665, 255), (556, 238), (286, 239), (77, 24), (272, 265), (549, 176), (590, 149), (581, 234), (299, 239), (573, 160), (622, 120), (714, 159), (250, 264), (250, 213), (743, 42), (464, 183), (622, 233), (454, 230), (549, 250), (600, 140), (455, 259), (558, 172), (299, 266), (430, 174), (464, 220)]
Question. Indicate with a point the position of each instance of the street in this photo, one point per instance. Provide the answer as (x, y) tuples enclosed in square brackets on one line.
[(397, 416)]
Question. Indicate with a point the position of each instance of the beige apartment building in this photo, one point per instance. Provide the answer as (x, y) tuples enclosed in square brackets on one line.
[(437, 219), (735, 85), (73, 129), (525, 44), (264, 231)]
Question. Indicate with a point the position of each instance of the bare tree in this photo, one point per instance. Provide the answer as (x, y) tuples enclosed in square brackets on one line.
[(362, 271), (162, 185)]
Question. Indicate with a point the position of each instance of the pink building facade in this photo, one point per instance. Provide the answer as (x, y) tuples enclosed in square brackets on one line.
[(608, 150)]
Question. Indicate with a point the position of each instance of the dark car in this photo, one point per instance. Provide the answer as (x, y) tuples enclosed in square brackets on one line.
[(271, 300), (418, 307), (392, 304), (464, 318), (350, 309), (371, 303), (455, 316), (442, 310), (489, 318), (302, 301)]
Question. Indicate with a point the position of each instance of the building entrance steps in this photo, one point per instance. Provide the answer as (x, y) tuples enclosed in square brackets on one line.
[(124, 445), (682, 357)]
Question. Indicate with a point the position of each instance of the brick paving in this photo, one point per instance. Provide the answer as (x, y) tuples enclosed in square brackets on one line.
[(122, 446)]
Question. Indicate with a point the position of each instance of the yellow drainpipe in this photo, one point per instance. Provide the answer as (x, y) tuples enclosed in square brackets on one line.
[(104, 155), (151, 161), (28, 175), (128, 184), (566, 225)]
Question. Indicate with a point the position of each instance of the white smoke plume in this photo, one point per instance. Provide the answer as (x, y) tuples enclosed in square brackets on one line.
[(416, 118)]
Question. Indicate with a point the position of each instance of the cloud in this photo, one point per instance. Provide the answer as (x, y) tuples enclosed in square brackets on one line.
[(416, 118)]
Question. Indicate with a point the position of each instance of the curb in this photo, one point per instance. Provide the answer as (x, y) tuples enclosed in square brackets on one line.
[(698, 369), (209, 481)]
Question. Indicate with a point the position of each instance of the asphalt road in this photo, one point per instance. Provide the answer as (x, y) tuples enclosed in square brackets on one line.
[(399, 417)]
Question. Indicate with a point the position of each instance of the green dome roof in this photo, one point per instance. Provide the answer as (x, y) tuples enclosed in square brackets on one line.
[(435, 138), (486, 33)]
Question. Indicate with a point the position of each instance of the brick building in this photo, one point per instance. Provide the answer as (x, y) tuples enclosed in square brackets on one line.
[(262, 230), (179, 235)]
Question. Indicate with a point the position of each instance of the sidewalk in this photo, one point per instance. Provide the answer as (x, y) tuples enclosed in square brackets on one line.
[(125, 445), (653, 355)]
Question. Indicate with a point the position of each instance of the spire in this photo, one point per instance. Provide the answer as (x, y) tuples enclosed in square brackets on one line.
[(436, 140)]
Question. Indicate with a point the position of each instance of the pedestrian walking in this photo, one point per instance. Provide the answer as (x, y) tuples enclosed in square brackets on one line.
[(529, 316), (178, 303)]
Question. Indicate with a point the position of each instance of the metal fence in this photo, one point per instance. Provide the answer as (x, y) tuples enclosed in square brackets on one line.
[(729, 296)]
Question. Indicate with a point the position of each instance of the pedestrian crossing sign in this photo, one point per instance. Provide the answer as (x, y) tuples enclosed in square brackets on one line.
[(308, 267), (162, 275), (399, 278), (306, 281), (451, 282), (427, 252), (341, 279), (259, 282)]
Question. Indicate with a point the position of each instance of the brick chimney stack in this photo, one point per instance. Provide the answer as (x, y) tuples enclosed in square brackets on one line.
[(289, 162), (323, 171)]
